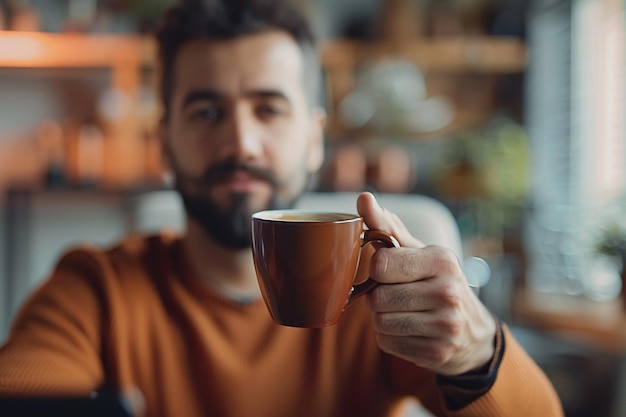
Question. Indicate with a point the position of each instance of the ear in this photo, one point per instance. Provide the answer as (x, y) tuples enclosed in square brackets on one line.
[(315, 156)]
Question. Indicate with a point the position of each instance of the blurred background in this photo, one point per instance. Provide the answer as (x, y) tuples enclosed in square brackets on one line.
[(510, 112)]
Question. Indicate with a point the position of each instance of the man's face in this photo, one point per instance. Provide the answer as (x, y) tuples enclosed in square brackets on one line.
[(240, 136)]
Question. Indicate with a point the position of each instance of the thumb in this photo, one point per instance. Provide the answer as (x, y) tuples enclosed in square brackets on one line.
[(379, 218)]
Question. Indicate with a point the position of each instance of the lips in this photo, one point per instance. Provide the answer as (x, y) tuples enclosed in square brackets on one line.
[(241, 181), (232, 176)]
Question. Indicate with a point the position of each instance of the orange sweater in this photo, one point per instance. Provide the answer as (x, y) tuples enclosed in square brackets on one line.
[(133, 316)]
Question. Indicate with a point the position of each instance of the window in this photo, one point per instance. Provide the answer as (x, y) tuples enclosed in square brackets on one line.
[(576, 105)]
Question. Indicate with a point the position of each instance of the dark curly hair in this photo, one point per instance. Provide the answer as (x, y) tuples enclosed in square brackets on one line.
[(227, 19)]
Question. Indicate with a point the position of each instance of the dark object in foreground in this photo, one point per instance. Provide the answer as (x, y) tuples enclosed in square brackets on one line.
[(101, 404)]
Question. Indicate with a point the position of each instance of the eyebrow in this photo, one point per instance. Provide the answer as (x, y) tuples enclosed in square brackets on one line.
[(201, 95), (213, 95)]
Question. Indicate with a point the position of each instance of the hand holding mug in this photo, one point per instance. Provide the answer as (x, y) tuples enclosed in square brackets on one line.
[(424, 311)]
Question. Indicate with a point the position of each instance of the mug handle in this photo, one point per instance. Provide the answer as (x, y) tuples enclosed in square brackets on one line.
[(370, 236)]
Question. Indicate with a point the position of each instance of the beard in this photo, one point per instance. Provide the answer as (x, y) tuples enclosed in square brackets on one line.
[(229, 226)]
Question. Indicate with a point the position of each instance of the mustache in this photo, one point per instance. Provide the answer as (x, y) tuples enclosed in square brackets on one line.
[(223, 170)]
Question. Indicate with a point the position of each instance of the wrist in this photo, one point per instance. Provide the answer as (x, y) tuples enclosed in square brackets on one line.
[(460, 390), (487, 357)]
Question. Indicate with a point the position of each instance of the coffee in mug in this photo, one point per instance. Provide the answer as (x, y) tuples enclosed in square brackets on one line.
[(306, 263)]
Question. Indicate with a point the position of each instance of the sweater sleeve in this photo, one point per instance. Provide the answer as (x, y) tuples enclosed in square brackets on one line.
[(520, 388), (54, 344)]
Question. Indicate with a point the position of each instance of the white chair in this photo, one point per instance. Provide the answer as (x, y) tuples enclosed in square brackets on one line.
[(426, 218), (156, 211)]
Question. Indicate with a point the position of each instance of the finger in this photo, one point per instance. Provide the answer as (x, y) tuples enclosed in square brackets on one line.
[(442, 325), (389, 298), (379, 218), (426, 352), (402, 265)]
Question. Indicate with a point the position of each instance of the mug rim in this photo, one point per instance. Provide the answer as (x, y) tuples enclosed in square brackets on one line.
[(266, 215)]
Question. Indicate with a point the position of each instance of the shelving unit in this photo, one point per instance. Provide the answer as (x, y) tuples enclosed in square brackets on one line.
[(443, 57), (127, 56), (124, 56)]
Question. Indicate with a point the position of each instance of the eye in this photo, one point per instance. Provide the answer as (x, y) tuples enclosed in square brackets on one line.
[(268, 111), (208, 113)]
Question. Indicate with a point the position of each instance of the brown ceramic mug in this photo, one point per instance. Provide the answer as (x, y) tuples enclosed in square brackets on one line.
[(306, 263)]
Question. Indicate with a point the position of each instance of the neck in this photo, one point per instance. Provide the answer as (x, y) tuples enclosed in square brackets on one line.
[(227, 271)]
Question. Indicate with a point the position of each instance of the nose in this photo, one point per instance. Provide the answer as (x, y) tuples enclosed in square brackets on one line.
[(243, 137)]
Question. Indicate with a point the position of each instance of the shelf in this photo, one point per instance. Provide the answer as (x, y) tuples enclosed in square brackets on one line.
[(126, 56), (451, 59), (480, 54), (466, 119), (52, 50), (598, 325)]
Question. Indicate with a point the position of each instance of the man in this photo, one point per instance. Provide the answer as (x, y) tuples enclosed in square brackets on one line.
[(181, 318)]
